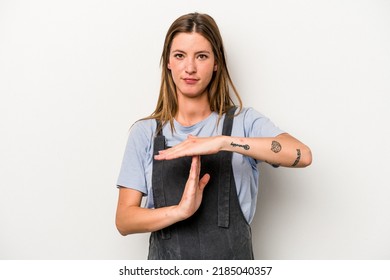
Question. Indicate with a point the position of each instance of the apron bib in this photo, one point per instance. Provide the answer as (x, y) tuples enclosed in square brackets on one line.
[(218, 229)]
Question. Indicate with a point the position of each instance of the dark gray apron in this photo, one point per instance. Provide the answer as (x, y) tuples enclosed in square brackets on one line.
[(218, 230)]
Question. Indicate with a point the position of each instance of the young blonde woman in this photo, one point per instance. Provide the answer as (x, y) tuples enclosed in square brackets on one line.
[(195, 157)]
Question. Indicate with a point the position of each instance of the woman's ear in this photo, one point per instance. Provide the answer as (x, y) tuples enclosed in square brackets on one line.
[(215, 67), (169, 66)]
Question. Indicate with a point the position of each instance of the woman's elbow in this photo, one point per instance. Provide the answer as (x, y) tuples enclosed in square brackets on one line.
[(306, 158), (122, 227)]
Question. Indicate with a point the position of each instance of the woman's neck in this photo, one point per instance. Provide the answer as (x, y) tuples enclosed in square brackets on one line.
[(191, 112)]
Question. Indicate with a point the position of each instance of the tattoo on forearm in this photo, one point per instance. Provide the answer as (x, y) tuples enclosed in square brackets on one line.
[(276, 147), (276, 165), (298, 158), (246, 146)]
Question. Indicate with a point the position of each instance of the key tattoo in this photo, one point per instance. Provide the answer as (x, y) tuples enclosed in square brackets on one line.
[(246, 146)]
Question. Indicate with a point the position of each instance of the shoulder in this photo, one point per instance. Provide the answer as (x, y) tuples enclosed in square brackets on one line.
[(256, 124), (141, 134), (249, 114), (143, 128)]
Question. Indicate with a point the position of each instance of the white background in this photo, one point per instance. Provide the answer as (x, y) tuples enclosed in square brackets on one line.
[(74, 76)]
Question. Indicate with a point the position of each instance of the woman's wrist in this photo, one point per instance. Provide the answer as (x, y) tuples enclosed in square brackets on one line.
[(225, 143)]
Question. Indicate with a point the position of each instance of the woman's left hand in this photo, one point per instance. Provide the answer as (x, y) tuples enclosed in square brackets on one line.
[(192, 146)]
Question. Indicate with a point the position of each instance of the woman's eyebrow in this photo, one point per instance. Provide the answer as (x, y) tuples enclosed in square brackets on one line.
[(181, 51)]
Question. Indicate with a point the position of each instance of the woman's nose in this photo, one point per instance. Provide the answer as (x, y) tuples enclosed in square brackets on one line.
[(190, 66)]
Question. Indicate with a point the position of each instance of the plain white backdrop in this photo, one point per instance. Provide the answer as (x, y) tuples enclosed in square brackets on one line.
[(74, 76)]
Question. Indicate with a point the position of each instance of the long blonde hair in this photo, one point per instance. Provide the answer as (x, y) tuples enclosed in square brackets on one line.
[(219, 87)]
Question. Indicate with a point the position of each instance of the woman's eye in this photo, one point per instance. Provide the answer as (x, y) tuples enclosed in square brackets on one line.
[(202, 56), (178, 55)]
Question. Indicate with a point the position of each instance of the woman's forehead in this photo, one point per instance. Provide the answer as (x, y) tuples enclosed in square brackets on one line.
[(190, 42)]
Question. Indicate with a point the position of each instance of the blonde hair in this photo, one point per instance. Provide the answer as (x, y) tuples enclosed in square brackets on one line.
[(219, 87)]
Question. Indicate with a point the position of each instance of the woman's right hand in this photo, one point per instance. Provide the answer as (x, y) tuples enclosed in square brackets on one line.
[(193, 191)]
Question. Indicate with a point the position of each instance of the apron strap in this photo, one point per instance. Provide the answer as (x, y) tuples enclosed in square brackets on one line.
[(157, 178), (225, 173)]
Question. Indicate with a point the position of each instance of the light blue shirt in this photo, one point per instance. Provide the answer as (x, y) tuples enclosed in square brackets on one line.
[(137, 164)]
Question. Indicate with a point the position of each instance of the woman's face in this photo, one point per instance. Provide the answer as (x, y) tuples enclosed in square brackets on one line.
[(192, 63)]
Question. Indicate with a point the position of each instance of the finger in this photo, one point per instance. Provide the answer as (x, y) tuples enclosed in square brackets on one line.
[(163, 154), (159, 157), (203, 181), (172, 153), (198, 164), (195, 168)]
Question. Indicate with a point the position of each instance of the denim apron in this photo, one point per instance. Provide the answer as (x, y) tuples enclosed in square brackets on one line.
[(218, 229)]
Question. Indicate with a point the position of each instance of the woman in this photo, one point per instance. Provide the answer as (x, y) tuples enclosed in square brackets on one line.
[(195, 157)]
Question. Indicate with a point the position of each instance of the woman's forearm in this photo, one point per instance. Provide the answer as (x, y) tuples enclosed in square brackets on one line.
[(135, 219), (283, 150)]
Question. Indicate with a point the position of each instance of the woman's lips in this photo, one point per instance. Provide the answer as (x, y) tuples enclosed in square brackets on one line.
[(190, 81)]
